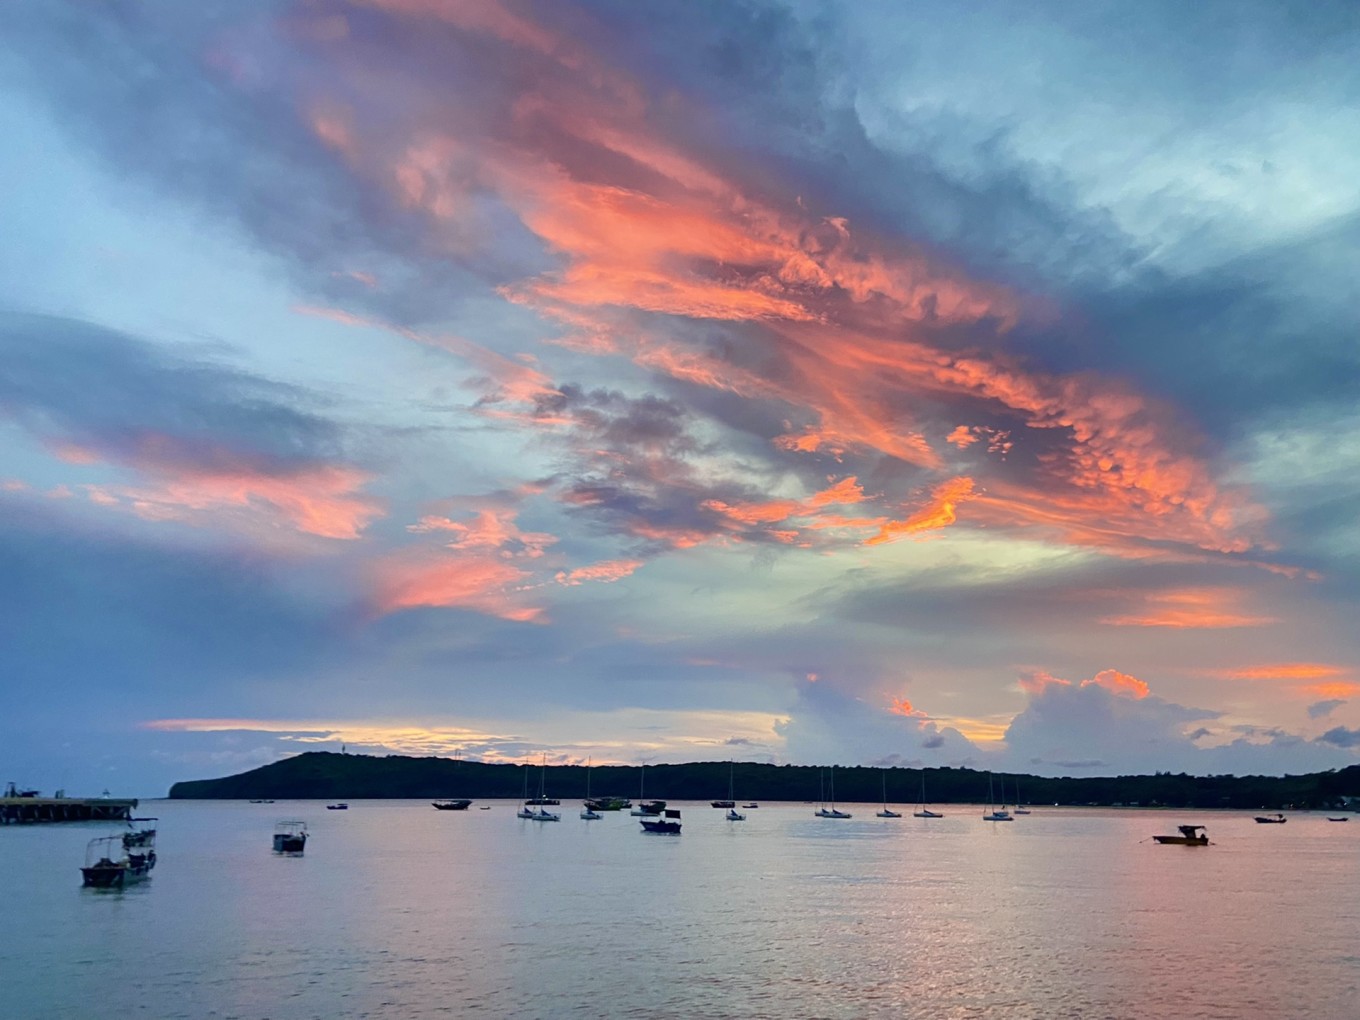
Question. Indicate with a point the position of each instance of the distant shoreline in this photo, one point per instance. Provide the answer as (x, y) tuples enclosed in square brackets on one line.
[(326, 775)]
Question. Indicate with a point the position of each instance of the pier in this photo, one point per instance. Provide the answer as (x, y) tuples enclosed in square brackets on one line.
[(25, 810)]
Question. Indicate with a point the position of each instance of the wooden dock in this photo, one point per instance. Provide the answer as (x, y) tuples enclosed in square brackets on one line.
[(26, 810)]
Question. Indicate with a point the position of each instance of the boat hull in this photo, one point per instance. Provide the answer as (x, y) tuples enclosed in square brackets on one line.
[(1183, 840), (451, 805), (661, 827), (290, 844)]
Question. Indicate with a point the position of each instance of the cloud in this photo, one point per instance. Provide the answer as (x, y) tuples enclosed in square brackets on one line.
[(1322, 709), (1340, 736)]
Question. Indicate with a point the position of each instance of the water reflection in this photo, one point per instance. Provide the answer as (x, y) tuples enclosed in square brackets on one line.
[(398, 910)]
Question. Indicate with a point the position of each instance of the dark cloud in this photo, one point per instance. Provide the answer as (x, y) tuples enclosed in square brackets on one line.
[(1322, 709), (1340, 736), (76, 383)]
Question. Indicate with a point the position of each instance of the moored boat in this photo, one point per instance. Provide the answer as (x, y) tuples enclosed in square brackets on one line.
[(111, 864), (337, 807), (1343, 818), (668, 825), (451, 805), (290, 837), (1277, 819), (142, 837), (830, 812), (1190, 835)]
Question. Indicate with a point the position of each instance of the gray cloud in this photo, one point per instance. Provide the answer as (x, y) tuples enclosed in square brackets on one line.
[(1322, 709)]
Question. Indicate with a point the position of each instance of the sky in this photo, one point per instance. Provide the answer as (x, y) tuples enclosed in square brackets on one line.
[(909, 384)]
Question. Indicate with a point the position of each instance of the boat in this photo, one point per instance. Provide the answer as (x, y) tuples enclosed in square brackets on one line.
[(337, 807), (924, 812), (262, 801), (1268, 820), (143, 837), (995, 814), (111, 864), (538, 814), (646, 808), (290, 837), (1018, 809), (668, 824), (747, 807), (885, 813), (524, 810), (733, 815), (1343, 818), (608, 803), (451, 805), (831, 812), (485, 807), (588, 813), (1190, 835)]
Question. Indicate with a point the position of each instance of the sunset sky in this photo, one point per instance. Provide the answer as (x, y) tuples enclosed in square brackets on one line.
[(860, 383)]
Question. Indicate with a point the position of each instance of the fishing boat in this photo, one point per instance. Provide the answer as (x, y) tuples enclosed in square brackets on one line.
[(451, 805), (290, 837), (830, 812), (995, 814), (143, 837), (885, 813), (112, 863), (337, 807), (668, 824), (1277, 819), (1190, 835), (588, 813), (924, 811)]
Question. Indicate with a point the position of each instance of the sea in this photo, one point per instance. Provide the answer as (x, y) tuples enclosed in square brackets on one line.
[(397, 910)]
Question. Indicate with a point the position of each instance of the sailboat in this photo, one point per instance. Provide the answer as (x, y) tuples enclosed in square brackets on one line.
[(733, 815), (824, 811), (1018, 809), (540, 813), (524, 810), (588, 813), (646, 808), (885, 813), (925, 812), (995, 814)]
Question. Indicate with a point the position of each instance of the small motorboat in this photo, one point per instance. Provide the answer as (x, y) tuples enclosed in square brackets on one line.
[(139, 837), (668, 824), (648, 809), (1277, 819), (262, 801), (111, 864), (1343, 818), (747, 807), (451, 805), (1190, 835), (337, 807), (485, 807), (290, 837)]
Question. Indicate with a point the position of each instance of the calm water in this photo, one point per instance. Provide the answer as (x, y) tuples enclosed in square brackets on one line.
[(398, 910)]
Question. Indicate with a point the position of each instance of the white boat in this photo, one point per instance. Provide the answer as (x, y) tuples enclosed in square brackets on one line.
[(733, 815), (885, 813), (589, 814), (830, 812), (924, 811), (646, 808), (540, 813), (995, 814)]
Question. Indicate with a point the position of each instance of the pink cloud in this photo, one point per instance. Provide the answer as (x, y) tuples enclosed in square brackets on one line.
[(606, 572), (481, 583)]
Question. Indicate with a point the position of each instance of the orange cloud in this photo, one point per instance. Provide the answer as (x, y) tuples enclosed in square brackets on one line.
[(488, 529), (1037, 681), (1190, 608), (481, 583), (606, 572), (1118, 683), (901, 706), (1280, 671), (1340, 689), (938, 513)]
